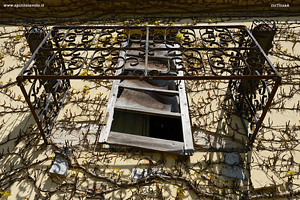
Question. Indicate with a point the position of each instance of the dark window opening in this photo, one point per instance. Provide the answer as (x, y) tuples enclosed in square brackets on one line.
[(166, 128), (147, 125)]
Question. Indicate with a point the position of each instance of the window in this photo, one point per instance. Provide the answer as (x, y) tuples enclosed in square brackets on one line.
[(148, 114)]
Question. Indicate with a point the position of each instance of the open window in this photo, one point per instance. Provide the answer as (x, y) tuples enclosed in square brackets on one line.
[(148, 114)]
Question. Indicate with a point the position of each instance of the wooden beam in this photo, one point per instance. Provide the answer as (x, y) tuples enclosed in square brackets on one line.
[(185, 117), (160, 91), (124, 139), (148, 111), (185, 120), (110, 106)]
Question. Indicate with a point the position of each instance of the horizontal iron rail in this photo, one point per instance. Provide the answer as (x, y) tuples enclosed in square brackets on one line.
[(21, 78), (86, 77), (150, 26)]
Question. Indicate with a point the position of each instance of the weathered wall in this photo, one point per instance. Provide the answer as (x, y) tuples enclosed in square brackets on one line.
[(76, 10), (222, 166)]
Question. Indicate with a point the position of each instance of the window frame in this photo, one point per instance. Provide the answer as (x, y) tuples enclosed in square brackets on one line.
[(116, 138)]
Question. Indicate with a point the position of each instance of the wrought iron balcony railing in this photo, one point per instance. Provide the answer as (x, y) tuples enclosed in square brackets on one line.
[(228, 52)]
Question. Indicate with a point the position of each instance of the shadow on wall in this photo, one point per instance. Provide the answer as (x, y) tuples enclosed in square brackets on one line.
[(14, 124), (13, 141), (228, 154)]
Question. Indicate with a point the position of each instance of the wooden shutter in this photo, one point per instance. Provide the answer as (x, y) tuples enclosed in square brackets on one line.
[(148, 114)]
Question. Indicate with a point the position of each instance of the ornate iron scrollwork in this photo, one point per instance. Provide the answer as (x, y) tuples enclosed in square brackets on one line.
[(97, 52)]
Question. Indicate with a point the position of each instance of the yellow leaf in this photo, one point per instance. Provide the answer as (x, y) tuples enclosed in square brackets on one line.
[(290, 173), (179, 37), (211, 176), (6, 194)]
